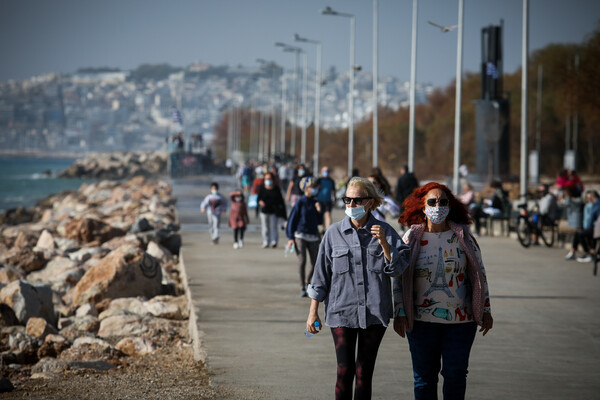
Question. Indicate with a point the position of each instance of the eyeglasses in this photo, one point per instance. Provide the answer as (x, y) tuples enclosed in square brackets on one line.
[(442, 202), (357, 200)]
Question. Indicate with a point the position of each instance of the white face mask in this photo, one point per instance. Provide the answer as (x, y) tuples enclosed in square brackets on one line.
[(438, 214), (213, 191)]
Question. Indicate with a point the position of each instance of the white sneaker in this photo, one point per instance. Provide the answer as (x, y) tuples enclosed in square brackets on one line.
[(265, 245), (570, 256), (236, 245), (585, 259), (240, 244)]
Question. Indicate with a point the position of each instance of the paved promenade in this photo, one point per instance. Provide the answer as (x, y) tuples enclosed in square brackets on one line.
[(545, 343)]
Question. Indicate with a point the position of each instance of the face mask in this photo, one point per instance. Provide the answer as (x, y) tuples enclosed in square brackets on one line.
[(237, 198), (356, 213), (314, 191), (326, 174), (213, 191), (300, 172), (437, 215), (268, 182)]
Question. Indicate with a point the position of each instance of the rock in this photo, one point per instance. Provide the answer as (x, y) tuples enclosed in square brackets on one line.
[(67, 245), (117, 242), (53, 345), (25, 258), (74, 327), (159, 252), (124, 306), (85, 310), (29, 301), (84, 254), (24, 347), (88, 348), (168, 307), (61, 273), (5, 385), (49, 366), (10, 274), (46, 241), (122, 325), (126, 272), (141, 225), (98, 365), (136, 346), (26, 239), (39, 328), (7, 316), (16, 216), (88, 230)]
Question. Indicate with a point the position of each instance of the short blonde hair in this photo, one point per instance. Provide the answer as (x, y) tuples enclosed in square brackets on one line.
[(368, 187)]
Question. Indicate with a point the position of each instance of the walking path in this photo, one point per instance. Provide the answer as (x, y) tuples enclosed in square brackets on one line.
[(545, 342)]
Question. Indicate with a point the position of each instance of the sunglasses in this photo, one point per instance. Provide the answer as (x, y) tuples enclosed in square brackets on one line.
[(442, 202), (357, 200)]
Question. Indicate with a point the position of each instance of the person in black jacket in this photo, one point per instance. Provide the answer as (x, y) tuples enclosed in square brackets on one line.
[(272, 207), (302, 230), (407, 182)]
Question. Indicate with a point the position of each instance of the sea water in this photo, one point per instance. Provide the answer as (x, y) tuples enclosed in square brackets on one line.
[(26, 180)]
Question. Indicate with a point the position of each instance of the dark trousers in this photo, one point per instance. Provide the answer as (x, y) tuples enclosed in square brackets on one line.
[(361, 365), (585, 238), (313, 250), (431, 343), (240, 232)]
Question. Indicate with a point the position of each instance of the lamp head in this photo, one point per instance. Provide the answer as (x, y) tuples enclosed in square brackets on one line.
[(328, 11)]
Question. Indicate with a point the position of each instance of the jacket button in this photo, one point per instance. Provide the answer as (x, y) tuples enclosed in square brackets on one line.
[(360, 283)]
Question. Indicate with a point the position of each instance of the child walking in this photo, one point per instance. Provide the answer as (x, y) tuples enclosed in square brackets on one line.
[(238, 217), (213, 205)]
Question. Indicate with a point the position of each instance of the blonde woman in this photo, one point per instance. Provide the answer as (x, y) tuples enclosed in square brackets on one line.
[(357, 257)]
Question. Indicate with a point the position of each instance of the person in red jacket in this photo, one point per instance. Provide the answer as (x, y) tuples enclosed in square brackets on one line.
[(238, 218)]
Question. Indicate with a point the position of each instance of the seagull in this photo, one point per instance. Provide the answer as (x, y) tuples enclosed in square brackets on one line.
[(444, 28)]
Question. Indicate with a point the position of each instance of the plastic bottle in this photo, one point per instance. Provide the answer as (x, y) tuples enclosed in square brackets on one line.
[(308, 334), (288, 249)]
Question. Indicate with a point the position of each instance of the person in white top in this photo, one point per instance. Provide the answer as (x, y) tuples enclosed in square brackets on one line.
[(213, 206)]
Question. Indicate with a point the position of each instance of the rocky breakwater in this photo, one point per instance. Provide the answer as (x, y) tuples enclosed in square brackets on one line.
[(92, 281), (118, 165)]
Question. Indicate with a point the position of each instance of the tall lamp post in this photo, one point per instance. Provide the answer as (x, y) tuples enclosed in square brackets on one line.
[(413, 73), (524, 69), (375, 83), (297, 50), (457, 116), (298, 38), (329, 11)]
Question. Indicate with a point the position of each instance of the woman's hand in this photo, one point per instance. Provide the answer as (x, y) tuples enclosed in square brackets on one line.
[(487, 323), (400, 325), (379, 233), (310, 324), (261, 203)]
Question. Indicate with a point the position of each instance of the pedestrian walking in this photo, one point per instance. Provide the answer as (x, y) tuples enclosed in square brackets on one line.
[(302, 230), (238, 217), (326, 195), (293, 190), (213, 206), (442, 297), (388, 206), (272, 207), (356, 259)]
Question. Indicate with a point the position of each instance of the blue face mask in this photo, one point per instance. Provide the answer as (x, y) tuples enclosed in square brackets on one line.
[(356, 213), (314, 191), (326, 174), (300, 172), (268, 182)]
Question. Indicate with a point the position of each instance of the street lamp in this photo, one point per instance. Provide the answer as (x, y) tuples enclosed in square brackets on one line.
[(273, 67), (375, 83), (298, 38), (329, 11), (413, 74), (297, 50)]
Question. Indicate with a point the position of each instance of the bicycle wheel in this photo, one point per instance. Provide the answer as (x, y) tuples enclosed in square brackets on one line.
[(547, 232), (523, 231)]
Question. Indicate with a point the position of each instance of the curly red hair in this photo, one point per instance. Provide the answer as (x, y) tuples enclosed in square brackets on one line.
[(414, 204)]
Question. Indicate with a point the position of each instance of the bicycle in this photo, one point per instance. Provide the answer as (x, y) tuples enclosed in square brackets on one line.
[(528, 223)]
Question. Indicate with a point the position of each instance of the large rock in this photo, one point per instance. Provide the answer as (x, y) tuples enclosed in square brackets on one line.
[(7, 316), (168, 307), (25, 258), (53, 345), (87, 349), (74, 327), (39, 328), (122, 325), (9, 274), (29, 301), (125, 272), (61, 274), (89, 229), (136, 346), (46, 241)]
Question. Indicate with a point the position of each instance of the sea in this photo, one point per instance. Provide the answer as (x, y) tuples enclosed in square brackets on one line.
[(24, 180)]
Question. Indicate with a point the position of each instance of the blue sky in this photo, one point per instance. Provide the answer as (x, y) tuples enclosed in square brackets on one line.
[(40, 36)]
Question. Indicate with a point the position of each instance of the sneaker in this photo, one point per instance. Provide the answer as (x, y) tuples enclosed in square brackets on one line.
[(303, 293), (570, 256), (273, 245), (236, 245), (240, 244), (265, 245), (584, 259)]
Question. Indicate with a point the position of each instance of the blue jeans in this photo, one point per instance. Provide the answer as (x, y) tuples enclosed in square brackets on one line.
[(451, 344)]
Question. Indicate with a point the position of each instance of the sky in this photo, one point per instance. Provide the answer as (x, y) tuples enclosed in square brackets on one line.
[(44, 36)]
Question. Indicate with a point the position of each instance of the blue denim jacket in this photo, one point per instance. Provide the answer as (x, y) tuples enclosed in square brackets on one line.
[(352, 276)]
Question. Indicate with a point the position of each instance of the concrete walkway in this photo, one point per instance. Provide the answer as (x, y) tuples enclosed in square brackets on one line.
[(545, 342)]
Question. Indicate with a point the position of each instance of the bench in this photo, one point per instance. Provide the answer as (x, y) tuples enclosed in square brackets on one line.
[(505, 219)]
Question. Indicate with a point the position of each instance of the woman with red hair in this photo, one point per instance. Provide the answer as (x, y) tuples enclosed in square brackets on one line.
[(442, 296)]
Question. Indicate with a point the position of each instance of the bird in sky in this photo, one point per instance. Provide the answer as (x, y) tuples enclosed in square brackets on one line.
[(443, 28)]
